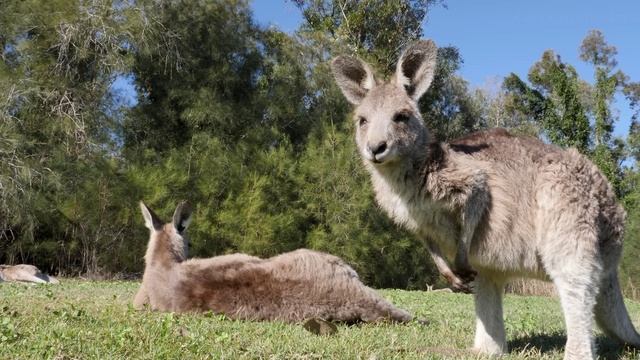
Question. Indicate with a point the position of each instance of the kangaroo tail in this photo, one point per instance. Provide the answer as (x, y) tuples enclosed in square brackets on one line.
[(30, 278), (47, 278), (611, 313)]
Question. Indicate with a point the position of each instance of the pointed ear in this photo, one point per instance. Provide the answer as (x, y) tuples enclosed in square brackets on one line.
[(182, 216), (416, 68), (151, 220), (354, 77)]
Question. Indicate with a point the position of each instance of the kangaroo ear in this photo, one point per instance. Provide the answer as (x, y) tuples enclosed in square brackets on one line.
[(416, 68), (182, 216), (354, 77), (151, 220)]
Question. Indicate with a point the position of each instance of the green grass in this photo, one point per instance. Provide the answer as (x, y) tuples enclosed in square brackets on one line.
[(85, 320)]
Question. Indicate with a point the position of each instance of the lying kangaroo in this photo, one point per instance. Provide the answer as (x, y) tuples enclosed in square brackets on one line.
[(508, 206), (26, 273), (290, 287)]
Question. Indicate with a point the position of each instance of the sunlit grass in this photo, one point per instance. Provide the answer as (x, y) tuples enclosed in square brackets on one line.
[(80, 319)]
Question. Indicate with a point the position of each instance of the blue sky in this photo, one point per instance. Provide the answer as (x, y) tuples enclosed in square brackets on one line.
[(496, 37)]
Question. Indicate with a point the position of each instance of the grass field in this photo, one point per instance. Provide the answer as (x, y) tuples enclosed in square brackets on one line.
[(90, 320)]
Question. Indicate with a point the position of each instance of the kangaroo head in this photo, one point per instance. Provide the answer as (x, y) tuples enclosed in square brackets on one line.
[(168, 242), (389, 126)]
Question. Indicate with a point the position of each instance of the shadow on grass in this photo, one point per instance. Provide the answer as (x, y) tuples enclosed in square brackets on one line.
[(542, 342), (607, 348), (611, 349)]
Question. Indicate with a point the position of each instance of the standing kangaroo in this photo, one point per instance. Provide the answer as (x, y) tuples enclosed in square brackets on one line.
[(291, 287), (507, 206)]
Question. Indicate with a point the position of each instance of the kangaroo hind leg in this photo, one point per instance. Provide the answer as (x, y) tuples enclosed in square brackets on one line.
[(576, 273)]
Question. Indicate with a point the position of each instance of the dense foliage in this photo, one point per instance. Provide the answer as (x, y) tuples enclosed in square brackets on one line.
[(247, 124)]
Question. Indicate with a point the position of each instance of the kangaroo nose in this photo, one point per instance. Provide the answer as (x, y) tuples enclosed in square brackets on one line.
[(379, 148)]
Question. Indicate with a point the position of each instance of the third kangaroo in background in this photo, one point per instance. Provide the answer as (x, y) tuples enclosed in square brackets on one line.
[(501, 205)]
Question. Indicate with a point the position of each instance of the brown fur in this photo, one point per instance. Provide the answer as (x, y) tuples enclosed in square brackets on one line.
[(290, 287)]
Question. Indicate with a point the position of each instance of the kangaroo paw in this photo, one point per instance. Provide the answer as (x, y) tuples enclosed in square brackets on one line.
[(460, 284), (466, 274), (463, 287)]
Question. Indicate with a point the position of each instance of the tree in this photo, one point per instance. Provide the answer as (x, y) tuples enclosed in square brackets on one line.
[(521, 107), (631, 189), (58, 60), (203, 83), (374, 29), (448, 107), (565, 120), (222, 128), (595, 50), (632, 92), (598, 53), (553, 102)]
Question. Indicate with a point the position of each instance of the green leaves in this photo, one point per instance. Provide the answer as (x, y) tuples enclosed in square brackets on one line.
[(8, 331), (595, 50), (564, 118), (377, 30)]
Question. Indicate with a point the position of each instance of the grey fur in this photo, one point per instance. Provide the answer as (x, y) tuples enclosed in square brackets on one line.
[(507, 206), (25, 273)]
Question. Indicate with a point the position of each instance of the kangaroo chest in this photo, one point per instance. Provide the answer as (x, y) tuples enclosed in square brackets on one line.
[(429, 219)]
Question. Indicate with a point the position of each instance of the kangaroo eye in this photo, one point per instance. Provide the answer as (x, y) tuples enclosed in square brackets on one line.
[(401, 117), (362, 121)]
